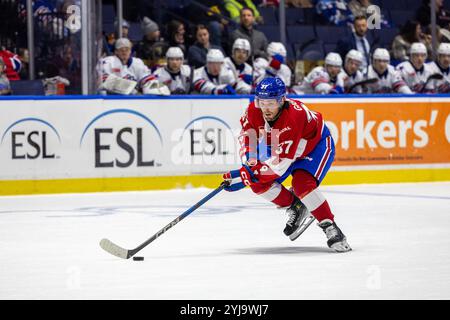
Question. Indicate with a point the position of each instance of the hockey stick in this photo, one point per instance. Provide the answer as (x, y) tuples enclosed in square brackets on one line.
[(120, 252), (361, 83), (435, 76)]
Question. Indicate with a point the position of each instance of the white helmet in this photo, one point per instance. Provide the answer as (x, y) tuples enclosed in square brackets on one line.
[(444, 48), (174, 52), (276, 48), (214, 55), (242, 44), (123, 43), (333, 59), (418, 47), (354, 55), (381, 54)]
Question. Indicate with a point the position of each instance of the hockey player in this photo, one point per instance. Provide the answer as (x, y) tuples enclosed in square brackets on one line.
[(323, 80), (12, 64), (282, 137), (389, 79), (415, 72), (175, 75), (275, 66), (122, 73), (242, 71), (442, 67), (351, 74), (215, 77)]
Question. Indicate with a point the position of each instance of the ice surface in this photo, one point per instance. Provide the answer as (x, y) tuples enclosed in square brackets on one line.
[(231, 248)]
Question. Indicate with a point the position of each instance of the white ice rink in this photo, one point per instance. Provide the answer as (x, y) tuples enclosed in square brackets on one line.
[(231, 248)]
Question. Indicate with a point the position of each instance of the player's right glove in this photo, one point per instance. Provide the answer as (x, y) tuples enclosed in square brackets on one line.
[(276, 61)]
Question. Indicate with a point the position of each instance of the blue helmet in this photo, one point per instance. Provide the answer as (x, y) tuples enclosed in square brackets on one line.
[(271, 88)]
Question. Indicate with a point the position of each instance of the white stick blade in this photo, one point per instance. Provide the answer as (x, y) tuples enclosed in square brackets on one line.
[(114, 249)]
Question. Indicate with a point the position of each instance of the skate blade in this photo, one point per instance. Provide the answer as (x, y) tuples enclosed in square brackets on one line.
[(305, 224), (342, 246)]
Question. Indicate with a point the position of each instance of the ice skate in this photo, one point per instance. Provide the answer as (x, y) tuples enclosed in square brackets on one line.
[(336, 239), (299, 219)]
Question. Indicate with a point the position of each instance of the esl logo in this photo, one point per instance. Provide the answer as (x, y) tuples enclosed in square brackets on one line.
[(204, 140), (121, 141), (31, 139)]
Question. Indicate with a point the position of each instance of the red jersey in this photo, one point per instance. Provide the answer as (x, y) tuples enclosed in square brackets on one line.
[(293, 135), (12, 64)]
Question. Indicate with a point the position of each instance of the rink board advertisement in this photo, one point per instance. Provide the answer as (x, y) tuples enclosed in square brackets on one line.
[(388, 132), (125, 144)]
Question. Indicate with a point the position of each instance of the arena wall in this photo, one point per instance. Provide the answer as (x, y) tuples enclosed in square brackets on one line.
[(97, 143)]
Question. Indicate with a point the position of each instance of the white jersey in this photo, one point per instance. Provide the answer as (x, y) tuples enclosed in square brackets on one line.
[(134, 70), (240, 73), (388, 82), (318, 81), (440, 86), (264, 70), (349, 80), (178, 83), (208, 84), (416, 79)]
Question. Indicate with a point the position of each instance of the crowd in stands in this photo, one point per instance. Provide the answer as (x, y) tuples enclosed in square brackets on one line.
[(225, 47)]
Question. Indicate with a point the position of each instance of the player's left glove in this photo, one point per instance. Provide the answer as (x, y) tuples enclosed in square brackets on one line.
[(238, 179), (247, 78), (337, 90)]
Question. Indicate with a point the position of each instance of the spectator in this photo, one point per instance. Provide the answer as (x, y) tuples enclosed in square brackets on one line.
[(334, 12), (234, 8), (123, 74), (212, 14), (257, 39), (324, 80), (242, 71), (175, 75), (442, 67), (358, 41), (175, 34), (359, 8), (410, 33), (12, 64), (152, 48), (388, 79), (214, 78), (197, 52), (351, 73), (110, 38), (275, 66), (415, 72), (423, 14), (5, 87)]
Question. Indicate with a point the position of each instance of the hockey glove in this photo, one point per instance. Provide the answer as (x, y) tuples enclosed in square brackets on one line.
[(239, 179), (247, 78), (276, 61), (337, 90), (227, 90)]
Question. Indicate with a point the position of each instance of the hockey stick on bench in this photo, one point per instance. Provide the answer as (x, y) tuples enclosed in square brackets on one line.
[(120, 252), (362, 83)]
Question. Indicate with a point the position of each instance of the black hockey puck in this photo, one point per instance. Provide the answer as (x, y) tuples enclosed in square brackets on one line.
[(138, 258)]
